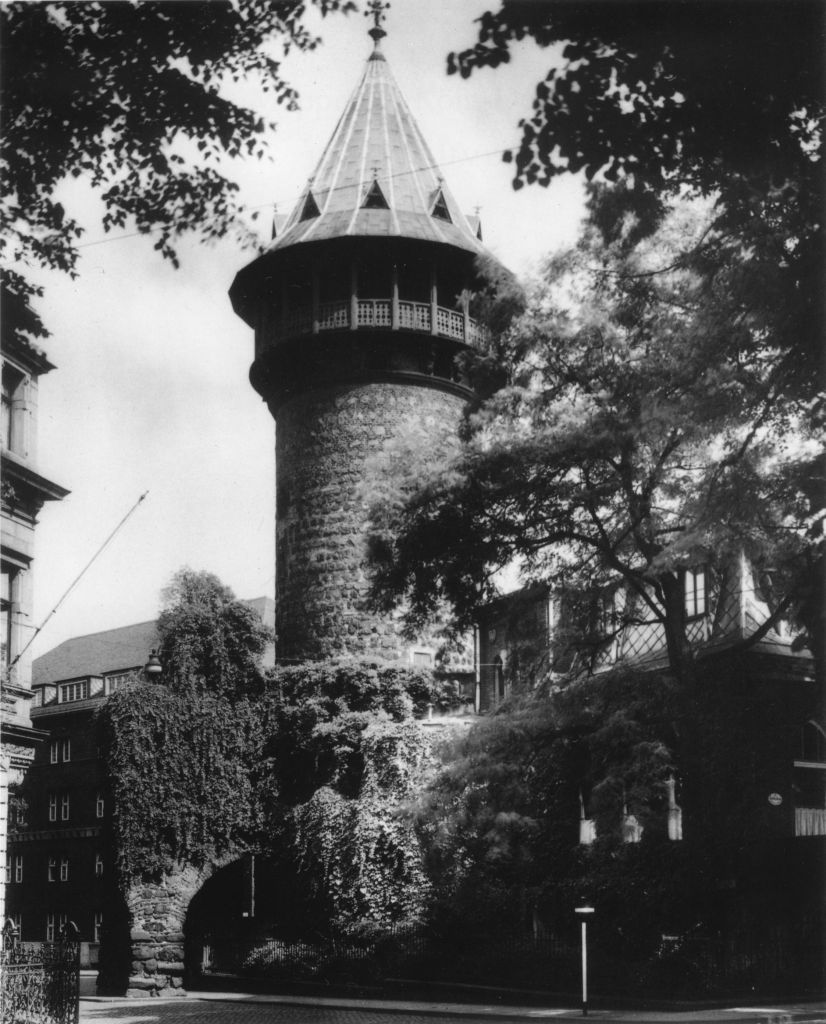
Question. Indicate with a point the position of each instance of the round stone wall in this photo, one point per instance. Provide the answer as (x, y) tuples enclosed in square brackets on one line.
[(325, 441)]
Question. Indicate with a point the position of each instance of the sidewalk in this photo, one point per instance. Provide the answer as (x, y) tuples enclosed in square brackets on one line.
[(774, 1013)]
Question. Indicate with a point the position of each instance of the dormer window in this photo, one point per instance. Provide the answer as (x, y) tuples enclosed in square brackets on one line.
[(374, 198), (439, 209), (310, 209), (70, 692)]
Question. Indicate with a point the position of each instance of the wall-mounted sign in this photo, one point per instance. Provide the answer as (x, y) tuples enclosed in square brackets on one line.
[(775, 799)]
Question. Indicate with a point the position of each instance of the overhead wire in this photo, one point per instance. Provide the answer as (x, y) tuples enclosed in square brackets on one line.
[(289, 202)]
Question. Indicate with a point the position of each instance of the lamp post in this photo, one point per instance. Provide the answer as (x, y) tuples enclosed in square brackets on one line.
[(583, 913), (153, 668)]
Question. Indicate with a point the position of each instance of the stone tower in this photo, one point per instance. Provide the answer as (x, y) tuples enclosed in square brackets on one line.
[(359, 307)]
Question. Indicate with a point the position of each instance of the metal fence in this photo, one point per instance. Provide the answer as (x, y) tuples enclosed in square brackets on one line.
[(40, 983), (683, 966)]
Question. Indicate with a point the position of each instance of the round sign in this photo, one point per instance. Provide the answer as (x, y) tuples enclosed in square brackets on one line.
[(775, 799)]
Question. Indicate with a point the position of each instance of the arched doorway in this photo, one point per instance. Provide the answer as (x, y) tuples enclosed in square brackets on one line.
[(236, 912)]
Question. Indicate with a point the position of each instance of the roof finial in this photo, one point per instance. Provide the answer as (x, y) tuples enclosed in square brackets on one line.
[(376, 9)]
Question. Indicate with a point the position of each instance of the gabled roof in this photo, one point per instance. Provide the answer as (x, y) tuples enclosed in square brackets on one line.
[(114, 650), (377, 140)]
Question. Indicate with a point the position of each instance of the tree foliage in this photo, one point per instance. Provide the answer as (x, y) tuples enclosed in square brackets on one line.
[(634, 437), (346, 756), (710, 98), (128, 95), (210, 639)]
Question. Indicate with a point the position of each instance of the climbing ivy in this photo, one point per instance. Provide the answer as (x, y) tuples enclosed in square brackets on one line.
[(181, 767)]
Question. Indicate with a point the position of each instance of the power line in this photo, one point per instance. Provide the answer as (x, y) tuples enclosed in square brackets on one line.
[(77, 580), (289, 202)]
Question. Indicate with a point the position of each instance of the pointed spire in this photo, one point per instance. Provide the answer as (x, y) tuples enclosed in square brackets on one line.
[(377, 132)]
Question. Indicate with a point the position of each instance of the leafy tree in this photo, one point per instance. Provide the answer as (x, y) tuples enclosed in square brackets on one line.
[(210, 639), (713, 98), (627, 444), (129, 96)]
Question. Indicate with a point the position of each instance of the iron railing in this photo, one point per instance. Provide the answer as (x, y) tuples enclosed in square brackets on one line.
[(40, 982)]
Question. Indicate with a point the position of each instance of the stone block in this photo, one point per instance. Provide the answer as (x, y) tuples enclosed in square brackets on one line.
[(138, 935), (142, 984)]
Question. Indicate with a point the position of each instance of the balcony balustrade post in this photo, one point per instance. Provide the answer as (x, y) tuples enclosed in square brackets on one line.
[(316, 300), (434, 302), (354, 299)]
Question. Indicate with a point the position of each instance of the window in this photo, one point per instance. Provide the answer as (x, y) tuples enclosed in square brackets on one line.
[(97, 926), (64, 869), (18, 868), (374, 199), (52, 806), (13, 388), (50, 927), (499, 677), (8, 872), (810, 781), (55, 926), (439, 208), (98, 865), (37, 699), (7, 598), (54, 750), (70, 692), (66, 748), (51, 873), (100, 805), (310, 208), (695, 592), (17, 921), (64, 807), (114, 682), (422, 659)]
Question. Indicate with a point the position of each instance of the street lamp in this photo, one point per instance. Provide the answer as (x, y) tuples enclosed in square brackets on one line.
[(583, 913), (153, 668)]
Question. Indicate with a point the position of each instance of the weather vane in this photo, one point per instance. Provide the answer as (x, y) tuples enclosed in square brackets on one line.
[(376, 9)]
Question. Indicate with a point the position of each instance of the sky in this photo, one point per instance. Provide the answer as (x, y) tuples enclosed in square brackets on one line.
[(151, 392)]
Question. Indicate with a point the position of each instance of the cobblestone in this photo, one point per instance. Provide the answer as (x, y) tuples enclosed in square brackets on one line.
[(194, 1011)]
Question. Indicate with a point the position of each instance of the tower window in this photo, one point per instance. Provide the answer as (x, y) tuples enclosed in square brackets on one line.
[(439, 209), (374, 199), (310, 209)]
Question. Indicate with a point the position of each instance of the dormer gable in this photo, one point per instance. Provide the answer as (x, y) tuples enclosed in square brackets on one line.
[(374, 198)]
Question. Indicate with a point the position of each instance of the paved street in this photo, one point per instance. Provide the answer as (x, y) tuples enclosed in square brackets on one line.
[(191, 1011), (268, 1010)]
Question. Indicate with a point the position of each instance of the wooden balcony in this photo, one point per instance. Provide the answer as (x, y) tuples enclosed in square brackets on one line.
[(383, 314)]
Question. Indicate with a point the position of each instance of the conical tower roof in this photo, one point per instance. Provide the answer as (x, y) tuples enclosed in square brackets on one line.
[(377, 176)]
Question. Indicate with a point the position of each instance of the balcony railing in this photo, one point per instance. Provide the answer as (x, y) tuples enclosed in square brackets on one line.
[(379, 313)]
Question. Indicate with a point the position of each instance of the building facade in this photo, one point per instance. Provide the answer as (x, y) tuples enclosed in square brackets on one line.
[(24, 492), (534, 634)]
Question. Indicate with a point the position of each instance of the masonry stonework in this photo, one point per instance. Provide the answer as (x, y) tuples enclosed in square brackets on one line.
[(325, 441)]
